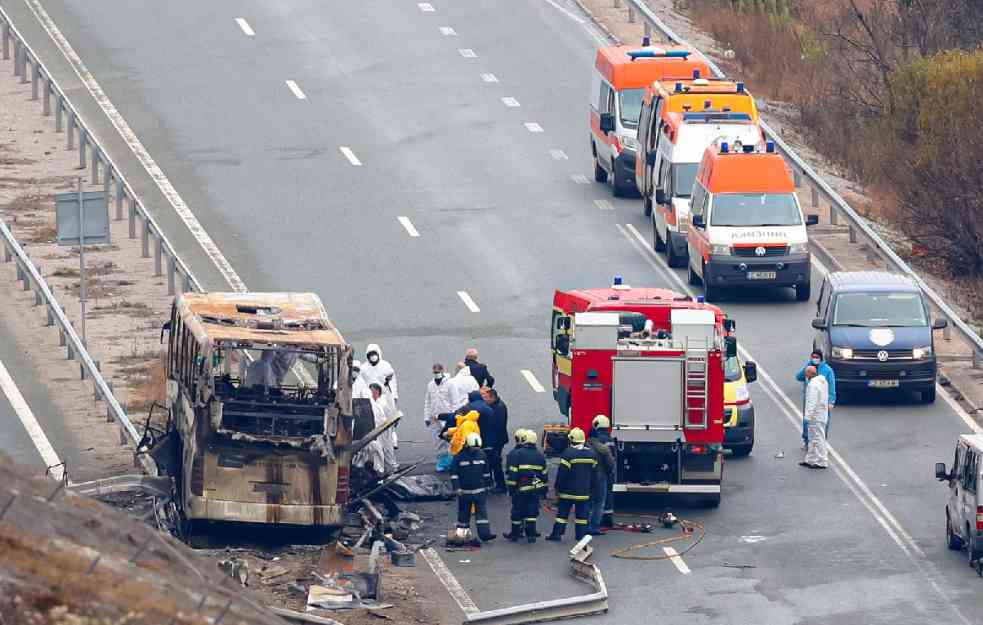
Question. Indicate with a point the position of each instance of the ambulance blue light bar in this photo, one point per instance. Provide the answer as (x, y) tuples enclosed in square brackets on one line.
[(655, 53), (770, 147)]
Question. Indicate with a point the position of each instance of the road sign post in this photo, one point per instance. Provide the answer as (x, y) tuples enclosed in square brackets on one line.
[(82, 218)]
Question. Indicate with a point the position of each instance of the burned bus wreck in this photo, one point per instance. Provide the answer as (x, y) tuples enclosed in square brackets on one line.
[(260, 423)]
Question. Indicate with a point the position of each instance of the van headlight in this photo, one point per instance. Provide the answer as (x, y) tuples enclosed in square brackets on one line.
[(629, 143), (720, 250), (798, 248), (842, 353), (741, 394), (921, 352)]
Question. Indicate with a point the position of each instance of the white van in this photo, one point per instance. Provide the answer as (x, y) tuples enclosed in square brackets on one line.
[(683, 137), (964, 509)]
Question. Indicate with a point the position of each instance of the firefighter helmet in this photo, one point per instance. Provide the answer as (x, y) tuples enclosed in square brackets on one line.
[(576, 436), (601, 422), (530, 438), (520, 436)]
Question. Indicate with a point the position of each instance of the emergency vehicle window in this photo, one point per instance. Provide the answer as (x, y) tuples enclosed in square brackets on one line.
[(595, 85), (610, 105), (683, 177), (732, 369), (630, 105), (879, 309), (663, 174), (604, 100), (822, 300), (972, 470), (698, 205), (643, 125), (755, 209), (956, 462)]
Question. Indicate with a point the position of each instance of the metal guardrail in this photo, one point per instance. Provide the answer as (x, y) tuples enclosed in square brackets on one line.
[(820, 189)]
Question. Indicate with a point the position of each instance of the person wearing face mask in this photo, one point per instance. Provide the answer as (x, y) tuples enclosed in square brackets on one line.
[(360, 389), (375, 370), (823, 369), (436, 402)]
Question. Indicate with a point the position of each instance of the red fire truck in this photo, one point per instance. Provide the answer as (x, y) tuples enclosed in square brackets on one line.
[(653, 361)]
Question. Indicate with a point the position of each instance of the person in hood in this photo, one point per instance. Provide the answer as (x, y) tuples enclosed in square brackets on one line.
[(460, 386), (382, 413), (466, 424), (478, 371), (816, 360), (379, 371), (436, 412), (360, 389)]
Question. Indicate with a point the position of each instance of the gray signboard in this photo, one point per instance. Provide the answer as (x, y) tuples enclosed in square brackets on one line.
[(96, 217)]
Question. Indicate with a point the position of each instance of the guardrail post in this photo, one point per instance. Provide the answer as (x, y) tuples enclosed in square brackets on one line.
[(26, 280), (648, 30), (70, 132), (23, 64), (976, 359), (797, 177), (815, 197), (188, 288), (122, 436), (947, 330), (617, 4), (107, 180), (631, 15), (133, 218), (38, 300), (834, 214), (35, 79), (71, 351), (59, 110), (7, 255), (5, 32), (170, 275), (17, 48), (145, 238), (853, 234), (120, 197), (46, 100), (62, 340), (82, 141), (95, 165), (158, 255), (51, 318), (109, 410)]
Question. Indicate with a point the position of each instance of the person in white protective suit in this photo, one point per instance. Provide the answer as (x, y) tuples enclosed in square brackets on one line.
[(382, 412), (379, 371), (262, 372), (460, 386), (816, 416), (437, 402), (360, 389)]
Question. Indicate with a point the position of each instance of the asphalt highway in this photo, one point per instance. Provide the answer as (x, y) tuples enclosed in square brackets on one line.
[(502, 198)]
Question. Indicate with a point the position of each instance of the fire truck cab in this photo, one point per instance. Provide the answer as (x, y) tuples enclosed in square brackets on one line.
[(653, 361)]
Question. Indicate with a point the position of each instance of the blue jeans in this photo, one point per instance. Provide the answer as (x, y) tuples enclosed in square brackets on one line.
[(805, 426), (597, 500)]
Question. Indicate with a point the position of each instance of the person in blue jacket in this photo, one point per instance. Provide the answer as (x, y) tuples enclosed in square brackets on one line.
[(816, 360)]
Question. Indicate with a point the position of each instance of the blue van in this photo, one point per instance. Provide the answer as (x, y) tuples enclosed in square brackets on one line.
[(875, 330)]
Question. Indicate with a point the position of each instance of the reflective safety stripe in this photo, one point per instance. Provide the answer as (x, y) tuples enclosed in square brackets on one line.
[(468, 463), (534, 467), (526, 489), (510, 482), (561, 520), (565, 462), (462, 526), (481, 522), (454, 477), (590, 461), (476, 491), (531, 519), (577, 521), (573, 497)]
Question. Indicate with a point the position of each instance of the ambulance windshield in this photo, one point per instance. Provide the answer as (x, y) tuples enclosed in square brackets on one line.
[(630, 105), (755, 209), (683, 177)]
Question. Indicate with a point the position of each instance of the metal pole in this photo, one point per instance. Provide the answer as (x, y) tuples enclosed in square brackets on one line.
[(631, 15), (6, 41), (158, 255), (35, 79), (648, 30), (23, 64), (133, 218), (95, 165), (82, 290), (59, 109), (17, 48), (833, 214), (46, 102), (82, 140), (145, 239), (120, 198), (70, 132), (170, 275)]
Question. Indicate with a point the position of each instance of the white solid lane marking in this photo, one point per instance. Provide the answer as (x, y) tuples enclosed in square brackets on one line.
[(447, 31), (677, 559), (533, 127), (510, 102), (30, 423), (449, 581), (296, 90), (347, 151), (244, 25), (563, 10), (468, 301), (408, 225), (489, 78), (604, 205), (468, 53), (579, 178), (138, 149), (588, 26), (533, 382), (559, 155), (426, 7)]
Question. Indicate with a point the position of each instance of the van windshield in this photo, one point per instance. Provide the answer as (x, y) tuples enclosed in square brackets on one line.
[(873, 310), (630, 105), (755, 209), (683, 177)]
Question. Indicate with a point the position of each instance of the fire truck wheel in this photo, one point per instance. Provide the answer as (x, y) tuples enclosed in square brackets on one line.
[(693, 278), (657, 243), (599, 174)]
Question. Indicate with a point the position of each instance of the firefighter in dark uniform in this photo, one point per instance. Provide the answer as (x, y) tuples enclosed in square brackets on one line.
[(471, 478), (526, 478), (574, 484)]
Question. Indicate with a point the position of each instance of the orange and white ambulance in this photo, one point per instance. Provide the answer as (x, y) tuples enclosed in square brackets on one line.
[(692, 95), (747, 227), (618, 83)]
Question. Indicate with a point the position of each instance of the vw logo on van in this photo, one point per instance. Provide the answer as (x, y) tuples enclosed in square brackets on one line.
[(759, 251), (882, 356)]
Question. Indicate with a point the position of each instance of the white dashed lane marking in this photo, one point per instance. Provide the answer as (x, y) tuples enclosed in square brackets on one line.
[(579, 178), (533, 127), (559, 155), (468, 53), (604, 205), (244, 25), (296, 90), (533, 382), (447, 31), (510, 102), (468, 301), (26, 416), (489, 78), (676, 559), (347, 151), (426, 7), (408, 226)]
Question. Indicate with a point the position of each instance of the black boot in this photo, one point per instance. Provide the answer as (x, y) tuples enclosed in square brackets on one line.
[(531, 533), (515, 533)]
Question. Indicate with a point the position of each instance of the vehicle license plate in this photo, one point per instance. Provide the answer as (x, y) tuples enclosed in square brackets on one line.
[(883, 383), (761, 275)]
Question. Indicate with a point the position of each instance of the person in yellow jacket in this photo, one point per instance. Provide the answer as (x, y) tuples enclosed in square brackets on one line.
[(466, 424)]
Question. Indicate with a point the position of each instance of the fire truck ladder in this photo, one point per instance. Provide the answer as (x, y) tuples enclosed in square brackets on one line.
[(696, 372)]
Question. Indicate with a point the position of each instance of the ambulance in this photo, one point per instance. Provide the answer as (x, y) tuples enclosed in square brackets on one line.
[(683, 137), (618, 83), (692, 95), (746, 224)]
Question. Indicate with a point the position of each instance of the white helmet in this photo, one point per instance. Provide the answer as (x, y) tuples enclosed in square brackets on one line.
[(530, 437), (473, 440), (601, 422)]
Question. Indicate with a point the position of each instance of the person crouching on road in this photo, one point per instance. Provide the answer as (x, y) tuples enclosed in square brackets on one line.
[(574, 485), (816, 415), (467, 423), (527, 479), (602, 497), (823, 368), (472, 479)]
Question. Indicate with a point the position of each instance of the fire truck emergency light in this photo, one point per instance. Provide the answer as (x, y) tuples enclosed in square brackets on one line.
[(696, 74), (652, 53), (700, 298), (770, 147), (618, 280), (740, 87), (724, 148)]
